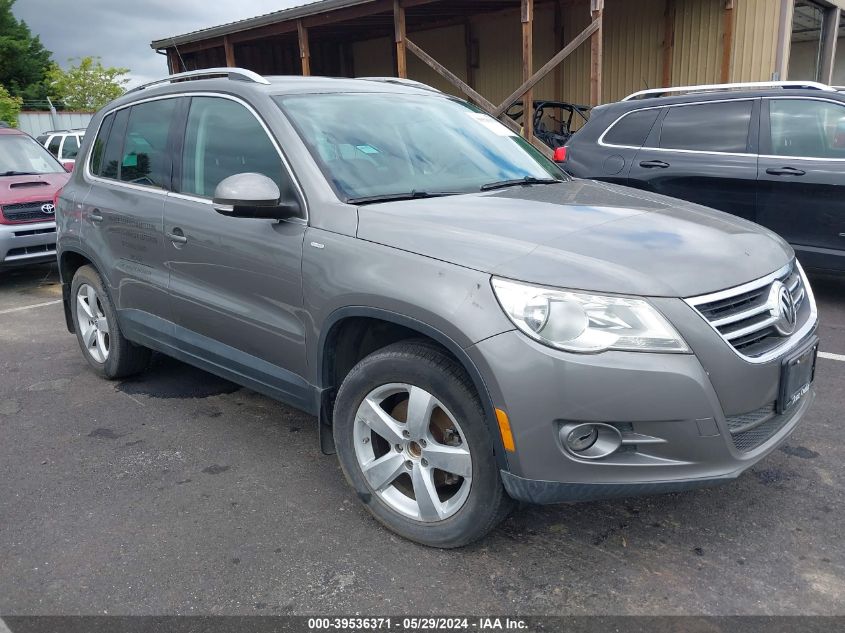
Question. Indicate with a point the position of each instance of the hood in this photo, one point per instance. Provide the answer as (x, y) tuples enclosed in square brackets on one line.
[(16, 189), (583, 235)]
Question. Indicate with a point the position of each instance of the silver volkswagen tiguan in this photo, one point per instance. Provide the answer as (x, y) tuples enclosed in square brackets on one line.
[(468, 324)]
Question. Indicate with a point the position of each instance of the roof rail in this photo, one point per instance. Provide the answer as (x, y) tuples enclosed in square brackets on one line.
[(657, 92), (400, 81), (235, 74), (839, 88)]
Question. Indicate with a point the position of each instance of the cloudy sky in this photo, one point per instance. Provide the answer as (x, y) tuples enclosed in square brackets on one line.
[(120, 32)]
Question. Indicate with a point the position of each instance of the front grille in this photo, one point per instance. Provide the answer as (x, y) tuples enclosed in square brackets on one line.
[(753, 429), (747, 316), (26, 211)]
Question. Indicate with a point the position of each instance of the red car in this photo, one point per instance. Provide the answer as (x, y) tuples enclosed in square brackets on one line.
[(30, 178)]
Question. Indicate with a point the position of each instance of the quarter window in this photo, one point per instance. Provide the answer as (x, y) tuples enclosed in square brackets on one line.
[(806, 127), (114, 146), (55, 142), (222, 139), (71, 147), (708, 127), (632, 129), (100, 145)]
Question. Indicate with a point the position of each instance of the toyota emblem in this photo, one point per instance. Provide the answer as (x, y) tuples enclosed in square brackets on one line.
[(48, 208)]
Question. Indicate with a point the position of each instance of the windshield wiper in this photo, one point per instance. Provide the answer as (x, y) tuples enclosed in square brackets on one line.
[(19, 173), (394, 197), (528, 180)]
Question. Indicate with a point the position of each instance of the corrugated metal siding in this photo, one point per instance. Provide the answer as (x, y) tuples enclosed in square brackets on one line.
[(500, 56), (697, 56), (633, 47), (576, 67), (447, 46), (36, 122), (755, 40), (373, 58)]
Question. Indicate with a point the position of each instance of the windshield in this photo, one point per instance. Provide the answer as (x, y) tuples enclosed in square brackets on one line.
[(20, 155), (375, 144)]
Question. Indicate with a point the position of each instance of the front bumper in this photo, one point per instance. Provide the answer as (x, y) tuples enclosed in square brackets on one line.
[(27, 243), (676, 425)]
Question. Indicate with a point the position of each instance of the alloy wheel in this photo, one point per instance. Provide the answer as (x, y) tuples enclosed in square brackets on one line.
[(412, 452), (93, 324)]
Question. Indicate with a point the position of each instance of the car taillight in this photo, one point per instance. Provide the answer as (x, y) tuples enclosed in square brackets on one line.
[(560, 155)]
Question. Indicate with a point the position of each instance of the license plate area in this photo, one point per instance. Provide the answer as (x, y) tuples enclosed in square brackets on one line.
[(796, 376)]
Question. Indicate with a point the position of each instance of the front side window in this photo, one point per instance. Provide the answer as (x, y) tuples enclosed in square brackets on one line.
[(22, 155), (377, 144), (145, 159), (708, 127), (807, 127), (222, 139)]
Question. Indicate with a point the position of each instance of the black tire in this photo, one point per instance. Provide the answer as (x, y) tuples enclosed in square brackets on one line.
[(124, 357), (424, 365)]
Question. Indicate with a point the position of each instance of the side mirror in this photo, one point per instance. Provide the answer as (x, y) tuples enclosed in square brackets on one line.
[(251, 195)]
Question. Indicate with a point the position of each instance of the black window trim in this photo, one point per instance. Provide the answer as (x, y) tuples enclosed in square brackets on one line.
[(178, 142), (659, 122), (766, 129)]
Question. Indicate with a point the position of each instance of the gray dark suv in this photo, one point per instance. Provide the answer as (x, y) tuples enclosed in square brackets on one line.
[(468, 324)]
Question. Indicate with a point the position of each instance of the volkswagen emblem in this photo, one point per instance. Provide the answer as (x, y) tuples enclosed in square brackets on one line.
[(782, 308), (48, 208)]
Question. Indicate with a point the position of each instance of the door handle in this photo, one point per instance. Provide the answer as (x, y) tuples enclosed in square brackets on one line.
[(96, 216), (648, 164), (177, 236), (785, 171)]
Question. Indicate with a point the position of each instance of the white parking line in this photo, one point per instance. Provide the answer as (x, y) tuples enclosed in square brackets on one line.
[(34, 305), (829, 356)]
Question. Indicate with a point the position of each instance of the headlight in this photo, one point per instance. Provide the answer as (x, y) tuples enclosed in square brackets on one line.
[(580, 322)]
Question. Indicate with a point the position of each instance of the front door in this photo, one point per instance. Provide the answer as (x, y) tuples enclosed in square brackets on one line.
[(702, 153), (801, 177), (235, 283)]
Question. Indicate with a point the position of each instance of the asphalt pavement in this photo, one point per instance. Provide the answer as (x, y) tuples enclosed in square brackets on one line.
[(177, 492)]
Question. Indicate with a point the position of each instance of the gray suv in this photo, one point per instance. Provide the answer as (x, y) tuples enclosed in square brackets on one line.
[(468, 324)]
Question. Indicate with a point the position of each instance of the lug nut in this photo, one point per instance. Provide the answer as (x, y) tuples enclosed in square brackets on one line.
[(424, 462), (409, 464), (406, 434), (422, 443), (398, 448)]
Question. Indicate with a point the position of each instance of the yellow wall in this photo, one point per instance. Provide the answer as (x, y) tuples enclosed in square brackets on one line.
[(755, 40)]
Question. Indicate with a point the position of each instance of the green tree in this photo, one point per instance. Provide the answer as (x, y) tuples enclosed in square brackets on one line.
[(23, 59), (87, 85), (10, 107)]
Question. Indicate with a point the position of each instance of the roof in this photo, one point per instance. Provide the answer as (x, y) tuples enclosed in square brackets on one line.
[(293, 13), (11, 130)]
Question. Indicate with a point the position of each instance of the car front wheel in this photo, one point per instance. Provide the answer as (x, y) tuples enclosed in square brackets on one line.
[(411, 437)]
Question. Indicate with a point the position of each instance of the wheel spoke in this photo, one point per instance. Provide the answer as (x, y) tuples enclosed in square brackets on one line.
[(86, 309), (379, 421), (101, 345), (89, 336), (426, 494), (103, 324), (451, 459), (383, 471), (420, 406), (92, 301)]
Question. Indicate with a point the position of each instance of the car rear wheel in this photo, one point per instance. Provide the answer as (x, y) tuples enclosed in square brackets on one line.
[(97, 330), (411, 437)]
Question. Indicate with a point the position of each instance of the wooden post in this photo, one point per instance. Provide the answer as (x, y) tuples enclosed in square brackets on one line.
[(528, 68), (727, 39), (230, 52), (668, 42), (399, 38), (596, 52), (304, 48), (830, 33)]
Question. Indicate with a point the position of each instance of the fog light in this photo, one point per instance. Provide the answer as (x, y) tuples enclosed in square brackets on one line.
[(590, 441)]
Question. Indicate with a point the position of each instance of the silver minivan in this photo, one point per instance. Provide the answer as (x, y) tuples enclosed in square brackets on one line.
[(468, 324)]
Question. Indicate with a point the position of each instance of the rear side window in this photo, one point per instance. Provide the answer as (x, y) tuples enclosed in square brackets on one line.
[(145, 159), (114, 146), (708, 127), (55, 142), (632, 129), (223, 138), (806, 127)]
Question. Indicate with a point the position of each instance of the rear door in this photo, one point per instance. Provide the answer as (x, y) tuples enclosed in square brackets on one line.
[(123, 212), (704, 153), (801, 176)]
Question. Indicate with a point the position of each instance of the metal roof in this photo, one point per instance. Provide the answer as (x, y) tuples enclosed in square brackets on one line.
[(293, 13)]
